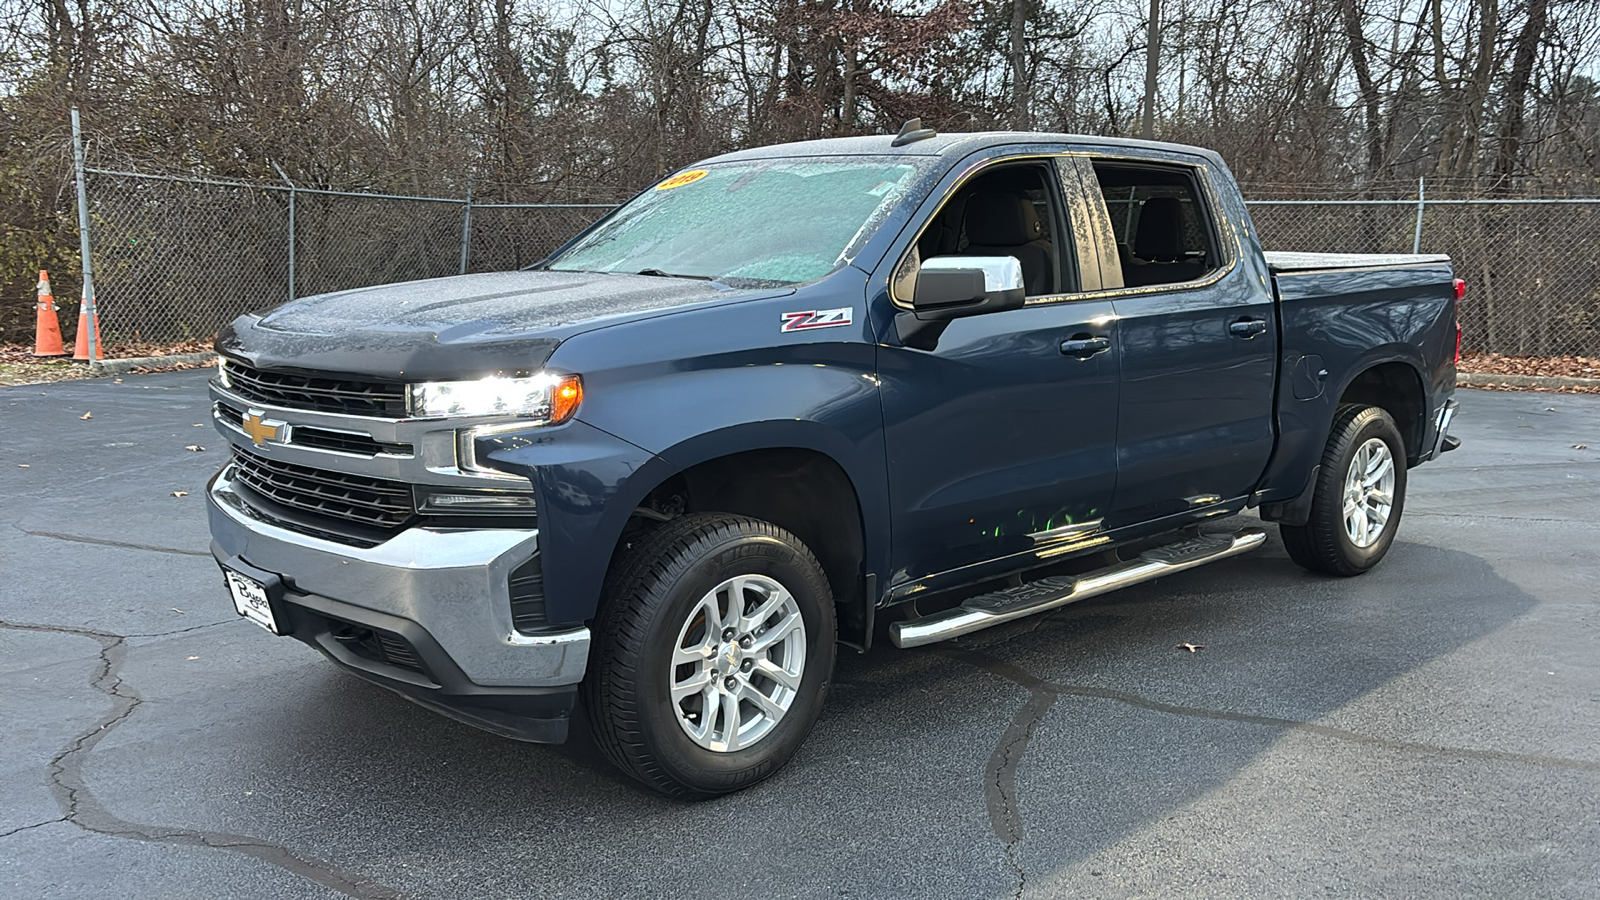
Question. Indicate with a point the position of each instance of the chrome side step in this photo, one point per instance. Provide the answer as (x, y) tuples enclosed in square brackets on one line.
[(988, 610)]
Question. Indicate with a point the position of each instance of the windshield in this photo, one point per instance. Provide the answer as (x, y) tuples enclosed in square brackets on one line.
[(782, 221)]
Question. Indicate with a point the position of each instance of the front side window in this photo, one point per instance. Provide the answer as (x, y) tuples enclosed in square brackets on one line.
[(759, 222), (1008, 210), (1163, 233)]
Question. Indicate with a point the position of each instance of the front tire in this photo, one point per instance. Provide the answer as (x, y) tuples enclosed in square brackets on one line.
[(1360, 494), (713, 654)]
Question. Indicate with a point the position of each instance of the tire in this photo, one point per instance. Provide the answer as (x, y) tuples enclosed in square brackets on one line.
[(1325, 543), (659, 589)]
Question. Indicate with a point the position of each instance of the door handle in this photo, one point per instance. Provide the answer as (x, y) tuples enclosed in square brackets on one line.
[(1084, 346), (1247, 328)]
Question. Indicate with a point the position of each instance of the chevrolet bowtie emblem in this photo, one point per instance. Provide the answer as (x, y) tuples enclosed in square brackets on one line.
[(260, 429)]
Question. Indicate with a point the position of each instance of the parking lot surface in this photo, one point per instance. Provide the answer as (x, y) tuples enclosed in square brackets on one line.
[(1429, 729)]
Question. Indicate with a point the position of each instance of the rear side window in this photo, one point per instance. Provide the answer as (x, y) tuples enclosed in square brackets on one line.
[(1163, 230)]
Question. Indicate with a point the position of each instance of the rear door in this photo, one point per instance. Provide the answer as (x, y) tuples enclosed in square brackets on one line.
[(1001, 439), (1198, 342)]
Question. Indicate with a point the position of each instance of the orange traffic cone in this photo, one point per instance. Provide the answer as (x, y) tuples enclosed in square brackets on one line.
[(47, 333), (88, 323)]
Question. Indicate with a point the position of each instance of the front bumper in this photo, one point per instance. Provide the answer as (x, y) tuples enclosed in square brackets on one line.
[(426, 613)]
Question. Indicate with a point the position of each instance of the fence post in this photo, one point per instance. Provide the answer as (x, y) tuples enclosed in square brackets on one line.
[(291, 227), (466, 229), (86, 312), (1416, 237)]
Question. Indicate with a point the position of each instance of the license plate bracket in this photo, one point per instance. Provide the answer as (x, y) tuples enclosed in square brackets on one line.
[(257, 595)]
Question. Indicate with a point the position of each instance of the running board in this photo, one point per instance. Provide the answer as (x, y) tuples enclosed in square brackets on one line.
[(988, 610)]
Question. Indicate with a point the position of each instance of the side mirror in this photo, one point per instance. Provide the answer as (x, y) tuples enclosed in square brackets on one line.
[(953, 287)]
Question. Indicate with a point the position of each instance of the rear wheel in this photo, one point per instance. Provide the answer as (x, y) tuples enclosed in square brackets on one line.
[(1360, 493), (713, 654)]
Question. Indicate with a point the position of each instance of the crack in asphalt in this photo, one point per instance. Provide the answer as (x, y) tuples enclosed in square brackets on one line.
[(1004, 812), (19, 830), (106, 542), (1000, 781), (80, 807), (162, 634), (1471, 515)]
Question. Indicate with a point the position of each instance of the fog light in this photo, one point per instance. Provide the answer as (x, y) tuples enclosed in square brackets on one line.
[(444, 501)]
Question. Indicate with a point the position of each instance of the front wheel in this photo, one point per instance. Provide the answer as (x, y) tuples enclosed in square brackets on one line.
[(1359, 495), (713, 654)]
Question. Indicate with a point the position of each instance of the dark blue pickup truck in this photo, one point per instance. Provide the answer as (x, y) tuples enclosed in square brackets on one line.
[(799, 396)]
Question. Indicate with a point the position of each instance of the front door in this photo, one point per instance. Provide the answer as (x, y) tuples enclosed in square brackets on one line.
[(1198, 346), (1001, 440)]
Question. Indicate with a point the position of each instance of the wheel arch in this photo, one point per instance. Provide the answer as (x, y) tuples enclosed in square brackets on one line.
[(1395, 384), (1390, 377), (801, 476)]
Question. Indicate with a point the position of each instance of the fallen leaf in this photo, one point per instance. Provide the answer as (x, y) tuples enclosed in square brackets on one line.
[(1192, 647), (87, 416), (195, 447), (23, 465), (198, 425), (191, 657), (180, 493), (1580, 446), (175, 609), (1549, 409)]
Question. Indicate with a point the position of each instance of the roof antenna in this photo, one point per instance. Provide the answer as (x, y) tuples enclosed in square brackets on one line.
[(911, 132)]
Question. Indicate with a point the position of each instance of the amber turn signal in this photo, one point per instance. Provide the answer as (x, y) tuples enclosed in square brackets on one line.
[(565, 398)]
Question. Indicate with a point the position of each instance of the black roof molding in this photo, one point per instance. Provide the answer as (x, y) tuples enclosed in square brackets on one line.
[(911, 132)]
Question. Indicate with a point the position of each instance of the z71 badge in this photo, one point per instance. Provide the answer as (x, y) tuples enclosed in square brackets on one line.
[(816, 318)]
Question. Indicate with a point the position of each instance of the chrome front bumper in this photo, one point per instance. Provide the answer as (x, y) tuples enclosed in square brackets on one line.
[(452, 582)]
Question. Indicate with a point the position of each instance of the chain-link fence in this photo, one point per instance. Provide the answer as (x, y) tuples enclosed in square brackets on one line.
[(177, 258), (1532, 267)]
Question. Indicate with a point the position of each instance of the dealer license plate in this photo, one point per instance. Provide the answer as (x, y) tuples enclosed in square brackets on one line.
[(250, 599)]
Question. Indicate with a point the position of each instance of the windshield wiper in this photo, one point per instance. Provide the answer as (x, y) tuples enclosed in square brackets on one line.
[(661, 274)]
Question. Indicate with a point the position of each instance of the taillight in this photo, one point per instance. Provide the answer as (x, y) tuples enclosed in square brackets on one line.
[(1461, 292)]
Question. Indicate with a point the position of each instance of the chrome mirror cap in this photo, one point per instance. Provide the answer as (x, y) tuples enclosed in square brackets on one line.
[(1000, 273)]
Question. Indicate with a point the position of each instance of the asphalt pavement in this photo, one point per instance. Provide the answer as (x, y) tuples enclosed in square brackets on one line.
[(1429, 729)]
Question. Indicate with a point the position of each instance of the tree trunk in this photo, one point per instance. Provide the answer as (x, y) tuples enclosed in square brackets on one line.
[(1351, 12), (1512, 120), (1021, 82), (1152, 69)]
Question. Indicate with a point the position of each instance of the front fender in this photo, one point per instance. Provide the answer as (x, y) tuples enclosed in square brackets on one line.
[(587, 483), (664, 394)]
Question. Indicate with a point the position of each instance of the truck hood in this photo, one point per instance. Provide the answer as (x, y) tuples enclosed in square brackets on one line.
[(460, 327)]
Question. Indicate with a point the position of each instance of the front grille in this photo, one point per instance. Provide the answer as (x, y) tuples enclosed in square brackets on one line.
[(325, 500), (299, 523), (345, 442), (323, 393), (527, 596), (324, 438)]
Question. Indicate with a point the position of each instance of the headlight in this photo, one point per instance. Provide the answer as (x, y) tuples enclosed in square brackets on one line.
[(547, 399), (222, 372)]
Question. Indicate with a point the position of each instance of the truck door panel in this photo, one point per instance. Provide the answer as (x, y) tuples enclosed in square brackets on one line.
[(1005, 432), (1198, 347)]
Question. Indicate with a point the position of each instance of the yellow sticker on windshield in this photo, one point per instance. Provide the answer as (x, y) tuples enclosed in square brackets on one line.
[(682, 179)]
